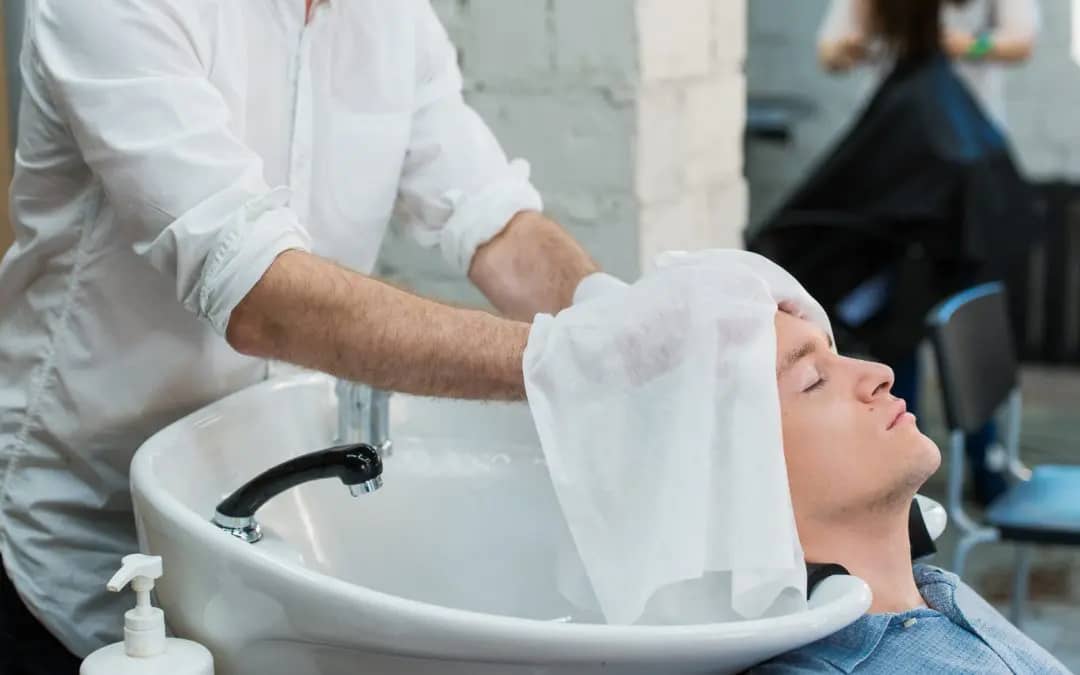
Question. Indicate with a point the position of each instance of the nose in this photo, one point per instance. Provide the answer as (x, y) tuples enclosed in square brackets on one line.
[(875, 380)]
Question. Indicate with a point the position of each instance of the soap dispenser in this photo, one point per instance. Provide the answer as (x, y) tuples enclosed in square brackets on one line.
[(145, 649)]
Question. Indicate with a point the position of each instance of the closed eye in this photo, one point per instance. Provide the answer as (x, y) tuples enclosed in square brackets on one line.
[(817, 385)]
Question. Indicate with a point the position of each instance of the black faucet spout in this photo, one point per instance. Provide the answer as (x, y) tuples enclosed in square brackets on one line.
[(358, 466)]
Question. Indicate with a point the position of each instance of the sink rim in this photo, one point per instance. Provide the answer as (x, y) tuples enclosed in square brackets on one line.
[(838, 603)]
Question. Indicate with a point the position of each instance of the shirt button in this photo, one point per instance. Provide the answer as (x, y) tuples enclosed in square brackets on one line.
[(910, 622)]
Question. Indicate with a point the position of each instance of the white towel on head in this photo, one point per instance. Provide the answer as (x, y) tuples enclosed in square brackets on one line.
[(658, 413)]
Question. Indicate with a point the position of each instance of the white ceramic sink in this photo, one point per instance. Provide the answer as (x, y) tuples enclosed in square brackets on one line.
[(449, 569)]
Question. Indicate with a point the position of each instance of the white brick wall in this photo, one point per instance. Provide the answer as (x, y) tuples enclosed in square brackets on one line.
[(715, 130), (675, 38), (507, 32), (729, 34), (630, 112), (581, 51)]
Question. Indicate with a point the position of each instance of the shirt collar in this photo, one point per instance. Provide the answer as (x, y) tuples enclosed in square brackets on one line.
[(926, 575), (850, 646), (938, 589)]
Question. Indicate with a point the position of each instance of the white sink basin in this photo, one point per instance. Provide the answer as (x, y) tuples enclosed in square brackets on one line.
[(449, 569)]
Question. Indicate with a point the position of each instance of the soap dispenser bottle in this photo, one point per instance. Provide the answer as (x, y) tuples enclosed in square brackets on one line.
[(145, 649)]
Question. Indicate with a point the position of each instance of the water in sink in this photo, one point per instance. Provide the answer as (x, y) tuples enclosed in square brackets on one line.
[(472, 530)]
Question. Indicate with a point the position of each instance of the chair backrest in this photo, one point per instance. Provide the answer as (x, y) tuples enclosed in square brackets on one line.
[(973, 344)]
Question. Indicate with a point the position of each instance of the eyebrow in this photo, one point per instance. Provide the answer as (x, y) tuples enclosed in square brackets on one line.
[(796, 355)]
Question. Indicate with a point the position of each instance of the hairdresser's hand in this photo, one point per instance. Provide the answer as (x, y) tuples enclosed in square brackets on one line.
[(845, 53), (958, 44)]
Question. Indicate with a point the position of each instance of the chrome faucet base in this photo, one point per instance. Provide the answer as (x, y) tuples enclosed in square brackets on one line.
[(246, 530)]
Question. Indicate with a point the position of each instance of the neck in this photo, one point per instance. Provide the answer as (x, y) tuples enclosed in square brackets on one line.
[(875, 547)]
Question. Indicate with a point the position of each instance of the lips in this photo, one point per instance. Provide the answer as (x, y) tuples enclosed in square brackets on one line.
[(898, 411)]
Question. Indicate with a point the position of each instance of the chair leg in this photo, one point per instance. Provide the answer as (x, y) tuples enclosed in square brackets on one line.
[(963, 548), (967, 542), (1020, 584)]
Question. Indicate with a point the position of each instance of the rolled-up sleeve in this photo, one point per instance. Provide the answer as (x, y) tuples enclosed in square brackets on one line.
[(1018, 18), (129, 79), (458, 190), (839, 22)]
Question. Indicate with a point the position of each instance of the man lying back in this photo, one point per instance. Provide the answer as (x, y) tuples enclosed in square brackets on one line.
[(855, 459)]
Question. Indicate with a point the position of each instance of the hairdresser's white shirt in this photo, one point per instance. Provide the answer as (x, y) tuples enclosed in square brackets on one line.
[(986, 80), (168, 152)]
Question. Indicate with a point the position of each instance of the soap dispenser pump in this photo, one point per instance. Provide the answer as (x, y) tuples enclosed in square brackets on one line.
[(145, 649)]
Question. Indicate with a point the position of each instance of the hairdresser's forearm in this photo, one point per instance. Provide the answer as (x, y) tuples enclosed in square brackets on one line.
[(533, 266), (1009, 48), (829, 57), (836, 56), (844, 51), (1004, 47), (311, 312)]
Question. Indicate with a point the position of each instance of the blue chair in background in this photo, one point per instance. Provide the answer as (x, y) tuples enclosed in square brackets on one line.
[(979, 373)]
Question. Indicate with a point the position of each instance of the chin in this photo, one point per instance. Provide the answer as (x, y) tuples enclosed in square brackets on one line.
[(918, 456), (926, 457)]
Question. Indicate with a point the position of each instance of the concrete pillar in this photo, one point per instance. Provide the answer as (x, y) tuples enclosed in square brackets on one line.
[(1076, 30), (690, 104), (630, 111)]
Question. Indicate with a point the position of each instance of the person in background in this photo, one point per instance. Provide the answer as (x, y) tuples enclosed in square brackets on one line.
[(981, 37)]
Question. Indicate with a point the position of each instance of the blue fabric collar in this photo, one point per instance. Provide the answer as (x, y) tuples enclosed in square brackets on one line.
[(850, 646)]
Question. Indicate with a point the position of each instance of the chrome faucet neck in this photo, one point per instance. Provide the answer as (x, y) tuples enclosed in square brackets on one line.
[(364, 416)]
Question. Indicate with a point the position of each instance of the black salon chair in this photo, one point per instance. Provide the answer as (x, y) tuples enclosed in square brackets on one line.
[(979, 373)]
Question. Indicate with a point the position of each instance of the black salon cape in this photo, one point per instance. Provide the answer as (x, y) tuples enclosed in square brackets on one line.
[(922, 187)]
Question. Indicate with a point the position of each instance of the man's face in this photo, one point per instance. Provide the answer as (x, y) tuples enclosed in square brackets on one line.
[(848, 444)]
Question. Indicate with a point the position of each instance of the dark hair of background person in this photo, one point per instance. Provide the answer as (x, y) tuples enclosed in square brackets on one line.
[(911, 28)]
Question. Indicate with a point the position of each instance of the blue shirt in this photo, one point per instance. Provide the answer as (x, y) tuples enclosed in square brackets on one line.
[(958, 632)]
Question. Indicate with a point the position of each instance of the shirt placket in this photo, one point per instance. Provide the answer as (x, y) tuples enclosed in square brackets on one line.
[(300, 161)]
